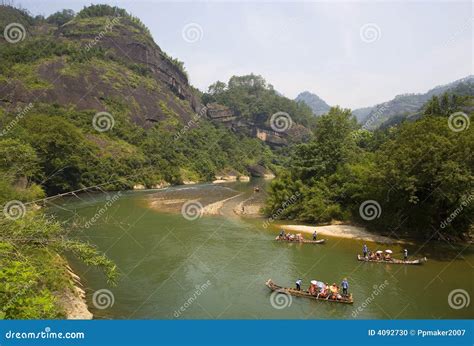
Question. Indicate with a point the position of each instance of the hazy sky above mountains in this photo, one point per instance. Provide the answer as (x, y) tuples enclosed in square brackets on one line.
[(354, 54)]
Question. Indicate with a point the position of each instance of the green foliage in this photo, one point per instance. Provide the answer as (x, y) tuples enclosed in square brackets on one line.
[(18, 158), (111, 11), (447, 103), (31, 272), (421, 174), (251, 97), (61, 17), (211, 148), (101, 11)]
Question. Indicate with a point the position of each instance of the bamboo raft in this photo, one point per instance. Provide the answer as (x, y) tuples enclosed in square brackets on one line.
[(303, 241), (291, 291), (393, 260)]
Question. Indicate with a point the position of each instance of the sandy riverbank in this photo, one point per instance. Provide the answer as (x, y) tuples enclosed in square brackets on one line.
[(341, 231), (215, 208)]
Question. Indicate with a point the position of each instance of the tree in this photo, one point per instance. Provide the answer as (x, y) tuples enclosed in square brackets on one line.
[(61, 17), (422, 176), (217, 88)]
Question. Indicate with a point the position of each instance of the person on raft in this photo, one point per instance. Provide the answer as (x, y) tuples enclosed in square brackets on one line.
[(365, 250), (282, 234), (345, 287), (315, 235), (405, 254), (298, 284)]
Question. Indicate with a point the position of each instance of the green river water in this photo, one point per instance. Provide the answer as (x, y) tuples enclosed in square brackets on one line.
[(215, 267)]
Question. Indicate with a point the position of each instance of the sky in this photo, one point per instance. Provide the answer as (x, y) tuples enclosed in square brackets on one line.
[(353, 54)]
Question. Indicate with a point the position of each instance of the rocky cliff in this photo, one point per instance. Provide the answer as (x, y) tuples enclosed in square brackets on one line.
[(108, 63)]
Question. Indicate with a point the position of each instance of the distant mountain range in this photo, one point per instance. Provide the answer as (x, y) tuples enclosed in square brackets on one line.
[(317, 105), (400, 107), (409, 105)]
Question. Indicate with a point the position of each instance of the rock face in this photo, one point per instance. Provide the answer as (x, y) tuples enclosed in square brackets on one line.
[(218, 113), (112, 65)]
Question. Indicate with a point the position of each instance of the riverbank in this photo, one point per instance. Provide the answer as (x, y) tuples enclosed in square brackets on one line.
[(342, 231), (73, 299)]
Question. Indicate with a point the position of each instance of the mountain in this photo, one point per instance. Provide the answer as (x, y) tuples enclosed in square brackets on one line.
[(96, 101), (409, 105), (102, 61), (317, 105)]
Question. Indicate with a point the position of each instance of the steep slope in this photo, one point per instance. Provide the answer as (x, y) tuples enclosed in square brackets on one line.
[(317, 105), (408, 105), (102, 63), (96, 101)]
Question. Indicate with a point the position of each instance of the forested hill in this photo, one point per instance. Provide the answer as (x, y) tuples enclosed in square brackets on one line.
[(90, 98), (317, 104), (413, 179)]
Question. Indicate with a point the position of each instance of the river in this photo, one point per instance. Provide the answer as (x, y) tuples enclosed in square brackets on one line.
[(215, 267)]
